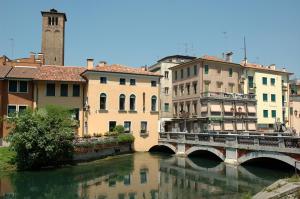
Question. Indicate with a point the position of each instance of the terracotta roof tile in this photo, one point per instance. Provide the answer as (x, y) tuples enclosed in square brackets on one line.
[(60, 73), (261, 67), (4, 70), (23, 72), (117, 68), (213, 58)]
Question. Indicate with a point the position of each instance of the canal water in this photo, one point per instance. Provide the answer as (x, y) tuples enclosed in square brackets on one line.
[(141, 176)]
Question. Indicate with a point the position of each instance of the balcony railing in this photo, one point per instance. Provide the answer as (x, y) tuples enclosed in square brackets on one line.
[(233, 96)]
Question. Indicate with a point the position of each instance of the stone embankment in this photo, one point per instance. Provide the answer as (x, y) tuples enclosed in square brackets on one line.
[(284, 189)]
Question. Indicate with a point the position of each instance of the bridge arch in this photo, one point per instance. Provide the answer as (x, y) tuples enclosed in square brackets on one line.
[(266, 154), (170, 146), (209, 149)]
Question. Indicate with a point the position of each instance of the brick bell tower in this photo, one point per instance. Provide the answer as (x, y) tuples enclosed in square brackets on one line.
[(53, 37)]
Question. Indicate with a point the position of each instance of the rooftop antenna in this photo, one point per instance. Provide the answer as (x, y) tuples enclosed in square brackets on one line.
[(12, 43), (245, 51), (225, 38)]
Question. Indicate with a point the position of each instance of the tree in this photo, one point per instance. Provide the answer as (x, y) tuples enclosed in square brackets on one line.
[(42, 138)]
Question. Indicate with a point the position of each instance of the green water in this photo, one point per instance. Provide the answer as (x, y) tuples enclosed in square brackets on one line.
[(140, 176)]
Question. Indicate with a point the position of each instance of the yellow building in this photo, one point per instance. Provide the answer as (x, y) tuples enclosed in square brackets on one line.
[(270, 86), (62, 86), (119, 95)]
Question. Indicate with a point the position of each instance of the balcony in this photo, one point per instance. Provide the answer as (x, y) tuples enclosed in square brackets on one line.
[(284, 87), (251, 87), (230, 96)]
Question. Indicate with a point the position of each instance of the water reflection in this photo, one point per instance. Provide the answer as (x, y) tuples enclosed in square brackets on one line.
[(140, 176)]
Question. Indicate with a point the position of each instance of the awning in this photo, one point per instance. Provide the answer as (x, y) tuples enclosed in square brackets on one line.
[(251, 109), (216, 126), (215, 108), (240, 126), (251, 127), (227, 108), (228, 126), (240, 108), (203, 108)]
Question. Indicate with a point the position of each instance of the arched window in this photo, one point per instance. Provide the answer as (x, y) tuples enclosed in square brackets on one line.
[(49, 21), (153, 103), (122, 102), (103, 101), (132, 103)]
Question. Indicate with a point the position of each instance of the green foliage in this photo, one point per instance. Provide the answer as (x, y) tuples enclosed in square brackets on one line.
[(42, 137), (119, 129), (7, 159), (125, 138), (112, 133), (247, 195)]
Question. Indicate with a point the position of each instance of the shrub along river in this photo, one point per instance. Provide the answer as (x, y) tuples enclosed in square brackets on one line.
[(141, 176)]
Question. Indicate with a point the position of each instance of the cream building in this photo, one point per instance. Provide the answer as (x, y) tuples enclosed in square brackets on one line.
[(119, 95), (163, 68), (270, 86)]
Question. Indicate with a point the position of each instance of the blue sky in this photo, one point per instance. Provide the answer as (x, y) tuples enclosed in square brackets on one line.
[(139, 32)]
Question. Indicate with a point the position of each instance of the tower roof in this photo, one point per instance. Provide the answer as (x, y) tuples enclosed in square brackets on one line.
[(54, 11)]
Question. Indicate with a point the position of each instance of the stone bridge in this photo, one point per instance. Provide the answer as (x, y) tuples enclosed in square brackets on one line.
[(235, 148)]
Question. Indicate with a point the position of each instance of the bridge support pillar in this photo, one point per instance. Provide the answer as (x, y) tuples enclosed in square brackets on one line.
[(181, 149), (231, 156)]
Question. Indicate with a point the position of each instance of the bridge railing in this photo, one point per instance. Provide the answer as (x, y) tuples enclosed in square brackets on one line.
[(233, 139)]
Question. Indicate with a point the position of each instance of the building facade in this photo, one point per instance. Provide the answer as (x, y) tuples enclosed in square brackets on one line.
[(119, 95), (206, 96), (53, 36), (294, 116), (271, 89), (165, 102)]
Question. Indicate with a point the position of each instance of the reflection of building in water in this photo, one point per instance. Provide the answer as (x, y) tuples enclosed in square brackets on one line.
[(5, 187), (141, 183)]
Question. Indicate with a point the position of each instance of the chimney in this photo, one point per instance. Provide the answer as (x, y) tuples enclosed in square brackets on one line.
[(284, 69), (102, 63), (229, 56), (145, 68), (32, 56), (40, 58), (272, 66), (90, 63)]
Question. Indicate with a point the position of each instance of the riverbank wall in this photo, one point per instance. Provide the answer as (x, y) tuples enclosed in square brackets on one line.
[(83, 154)]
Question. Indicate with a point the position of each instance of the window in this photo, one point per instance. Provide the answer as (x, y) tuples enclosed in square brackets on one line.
[(49, 21), (230, 72), (273, 97), (219, 85), (11, 110), (250, 82), (206, 86), (64, 90), (143, 127), (126, 180), (167, 74), (166, 107), (122, 102), (127, 126), (132, 103), (153, 83), (273, 113), (153, 103), (195, 87), (132, 82), (102, 101), (265, 113), (264, 81), (175, 109), (56, 20), (122, 81), (103, 80), (231, 88), (23, 86), (188, 88), (176, 75), (144, 99), (291, 111), (22, 108), (195, 70), (75, 114), (272, 81), (112, 125), (143, 176), (50, 89), (175, 90), (13, 86), (265, 97), (181, 73), (17, 86), (206, 69), (181, 90), (188, 71), (195, 107), (76, 90), (166, 90)]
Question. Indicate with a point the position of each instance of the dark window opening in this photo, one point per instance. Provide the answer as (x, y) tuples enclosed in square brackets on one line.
[(76, 90), (64, 90), (103, 101), (50, 89)]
